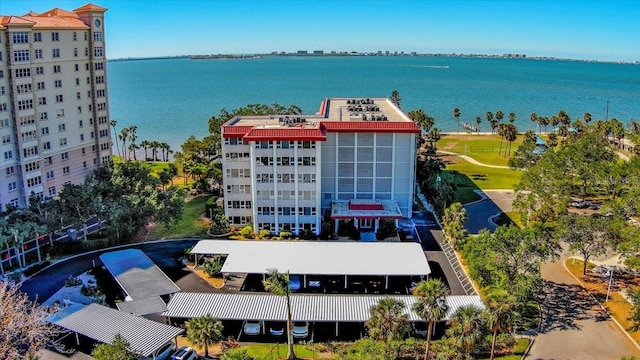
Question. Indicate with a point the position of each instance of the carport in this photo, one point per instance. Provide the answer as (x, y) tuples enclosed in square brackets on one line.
[(333, 258), (102, 323), (307, 307)]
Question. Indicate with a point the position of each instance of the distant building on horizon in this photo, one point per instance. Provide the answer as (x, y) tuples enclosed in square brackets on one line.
[(354, 160), (54, 108)]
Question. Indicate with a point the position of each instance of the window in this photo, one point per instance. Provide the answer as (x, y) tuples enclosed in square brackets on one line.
[(78, 97), (59, 98), (63, 141), (10, 170), (30, 151), (6, 139), (239, 189), (21, 37), (97, 36), (75, 36), (8, 155), (99, 66), (284, 144), (4, 123), (64, 156), (56, 69), (100, 80), (41, 85), (46, 145), (285, 161), (77, 81), (43, 116), (42, 101), (80, 123), (37, 53), (20, 55), (34, 181), (306, 144), (75, 52), (1, 74), (104, 133), (2, 90), (52, 191), (60, 113), (307, 211), (50, 174), (307, 178), (13, 186), (27, 120), (100, 93), (77, 68), (44, 131), (23, 88), (86, 36), (28, 135), (40, 70), (100, 106), (86, 53), (56, 53), (23, 72), (98, 51), (33, 166), (307, 161), (66, 170), (62, 127), (37, 37), (81, 137), (58, 83), (48, 160), (104, 146), (25, 104), (55, 36), (3, 107)]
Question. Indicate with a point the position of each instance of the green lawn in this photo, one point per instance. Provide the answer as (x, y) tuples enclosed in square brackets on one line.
[(279, 351), (487, 178), (483, 148), (191, 225)]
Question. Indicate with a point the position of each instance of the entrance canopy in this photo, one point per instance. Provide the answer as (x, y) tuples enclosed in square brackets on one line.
[(137, 275), (101, 323), (304, 307), (365, 209), (318, 257)]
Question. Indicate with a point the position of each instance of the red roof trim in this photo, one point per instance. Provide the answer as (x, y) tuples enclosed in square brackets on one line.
[(285, 134), (353, 206), (371, 126), (366, 217), (230, 131)]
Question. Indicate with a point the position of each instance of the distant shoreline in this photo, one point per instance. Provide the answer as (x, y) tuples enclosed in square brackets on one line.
[(353, 53)]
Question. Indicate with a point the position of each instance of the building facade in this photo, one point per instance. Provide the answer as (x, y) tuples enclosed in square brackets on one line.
[(353, 160), (54, 109)]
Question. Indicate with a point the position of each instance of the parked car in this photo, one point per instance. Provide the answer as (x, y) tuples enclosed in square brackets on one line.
[(300, 330), (276, 329), (185, 353), (580, 204), (165, 351), (420, 328), (314, 285), (252, 327)]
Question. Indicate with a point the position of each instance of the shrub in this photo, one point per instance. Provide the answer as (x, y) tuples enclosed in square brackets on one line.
[(213, 266), (386, 228), (72, 281), (285, 235), (220, 224), (264, 234), (236, 354), (247, 232)]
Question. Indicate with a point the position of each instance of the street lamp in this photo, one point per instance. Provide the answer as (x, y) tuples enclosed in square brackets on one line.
[(606, 118), (610, 273)]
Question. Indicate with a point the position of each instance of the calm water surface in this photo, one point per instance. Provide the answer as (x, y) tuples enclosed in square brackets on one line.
[(171, 99)]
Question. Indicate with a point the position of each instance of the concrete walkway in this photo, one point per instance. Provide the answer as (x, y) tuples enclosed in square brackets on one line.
[(573, 325), (472, 160)]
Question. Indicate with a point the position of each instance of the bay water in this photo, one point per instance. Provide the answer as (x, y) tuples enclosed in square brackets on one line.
[(171, 99)]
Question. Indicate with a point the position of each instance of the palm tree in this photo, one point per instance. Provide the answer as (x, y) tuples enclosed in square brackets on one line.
[(278, 284), (165, 150), (553, 140), (124, 136), (388, 323), (587, 117), (543, 121), (113, 124), (489, 117), (453, 220), (456, 114), (433, 136), (204, 331), (501, 132), (499, 115), (564, 118), (132, 138), (499, 314), (478, 121), (466, 327), (534, 118), (132, 149), (154, 145), (554, 121), (431, 305), (510, 134), (395, 97), (512, 117), (145, 145)]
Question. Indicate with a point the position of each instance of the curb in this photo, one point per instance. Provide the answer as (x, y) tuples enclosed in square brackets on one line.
[(624, 331)]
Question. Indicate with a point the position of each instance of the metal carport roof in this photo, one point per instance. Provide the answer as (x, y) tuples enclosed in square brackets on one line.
[(304, 307), (318, 257), (152, 305), (102, 324), (137, 275)]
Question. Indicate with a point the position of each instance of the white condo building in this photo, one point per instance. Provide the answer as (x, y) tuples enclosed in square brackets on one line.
[(54, 109), (353, 160)]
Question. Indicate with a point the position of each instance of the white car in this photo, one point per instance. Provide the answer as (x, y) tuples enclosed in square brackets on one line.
[(300, 330), (165, 351), (185, 353), (252, 327)]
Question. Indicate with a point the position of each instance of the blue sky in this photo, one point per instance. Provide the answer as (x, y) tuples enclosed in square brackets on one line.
[(595, 30)]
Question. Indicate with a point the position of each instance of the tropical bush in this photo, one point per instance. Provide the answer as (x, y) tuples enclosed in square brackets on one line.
[(220, 224), (213, 266), (386, 229)]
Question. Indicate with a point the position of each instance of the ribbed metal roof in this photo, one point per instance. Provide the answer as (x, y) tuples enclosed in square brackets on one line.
[(137, 275), (318, 257), (148, 306), (102, 324), (304, 307)]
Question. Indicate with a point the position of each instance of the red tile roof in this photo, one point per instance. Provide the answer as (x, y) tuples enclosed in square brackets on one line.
[(90, 7), (371, 126), (235, 131)]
